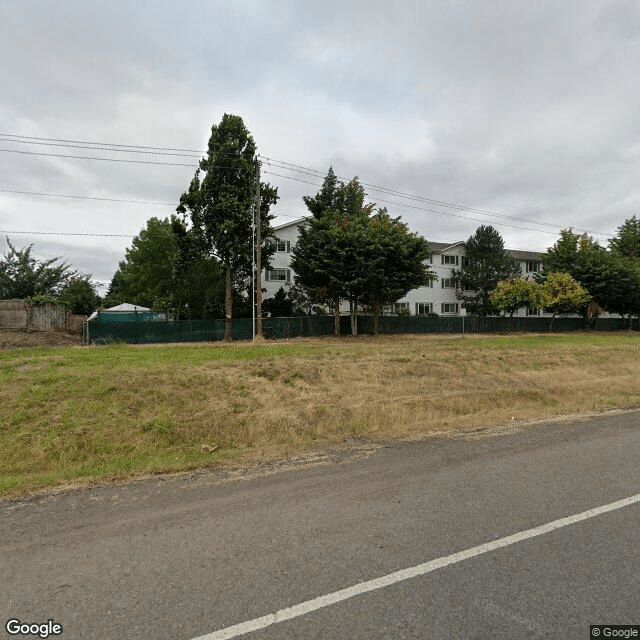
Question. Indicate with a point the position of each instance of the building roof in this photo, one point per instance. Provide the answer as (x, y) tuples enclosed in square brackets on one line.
[(436, 247), (125, 306), (519, 254), (292, 223)]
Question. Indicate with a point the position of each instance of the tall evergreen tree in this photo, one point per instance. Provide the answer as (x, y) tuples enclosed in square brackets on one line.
[(486, 263), (347, 252), (220, 202), (395, 262), (627, 240), (327, 258)]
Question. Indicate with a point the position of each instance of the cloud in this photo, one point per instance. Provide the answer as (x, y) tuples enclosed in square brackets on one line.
[(527, 110)]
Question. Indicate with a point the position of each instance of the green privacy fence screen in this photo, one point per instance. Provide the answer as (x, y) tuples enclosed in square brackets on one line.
[(131, 316), (141, 331)]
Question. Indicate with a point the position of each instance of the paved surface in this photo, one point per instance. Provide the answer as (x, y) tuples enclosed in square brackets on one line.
[(185, 556)]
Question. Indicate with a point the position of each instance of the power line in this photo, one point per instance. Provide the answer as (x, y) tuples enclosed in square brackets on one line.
[(281, 164), (110, 144), (61, 155), (68, 233), (442, 213), (77, 197), (407, 196), (68, 195), (103, 148)]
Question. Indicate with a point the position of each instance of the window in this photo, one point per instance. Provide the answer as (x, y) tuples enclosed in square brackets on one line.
[(401, 308), (533, 312), (423, 308), (448, 283), (450, 259), (278, 275), (283, 245), (533, 266), (449, 307)]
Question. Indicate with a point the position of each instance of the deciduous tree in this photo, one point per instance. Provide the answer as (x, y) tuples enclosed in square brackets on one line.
[(515, 293), (146, 275), (79, 295), (23, 276), (562, 294)]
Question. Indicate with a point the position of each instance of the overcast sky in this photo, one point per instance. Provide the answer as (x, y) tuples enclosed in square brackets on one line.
[(528, 110)]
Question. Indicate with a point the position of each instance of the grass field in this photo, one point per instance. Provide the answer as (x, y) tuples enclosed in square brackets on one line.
[(75, 414)]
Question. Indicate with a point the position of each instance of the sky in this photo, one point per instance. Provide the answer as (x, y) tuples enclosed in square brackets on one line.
[(454, 113)]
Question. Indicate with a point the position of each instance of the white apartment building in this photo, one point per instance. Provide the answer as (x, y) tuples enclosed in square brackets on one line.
[(438, 298)]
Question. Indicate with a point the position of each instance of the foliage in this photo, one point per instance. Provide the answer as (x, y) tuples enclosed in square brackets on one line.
[(145, 276), (23, 276), (515, 293), (41, 299), (346, 252), (327, 258), (198, 278), (220, 204), (627, 241), (611, 278), (394, 261), (572, 253), (166, 269), (79, 296), (280, 306), (486, 264), (562, 294), (303, 305)]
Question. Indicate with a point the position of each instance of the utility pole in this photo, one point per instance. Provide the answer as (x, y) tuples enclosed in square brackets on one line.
[(253, 272), (258, 255)]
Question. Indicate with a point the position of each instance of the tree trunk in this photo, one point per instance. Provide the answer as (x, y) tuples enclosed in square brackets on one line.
[(336, 315), (353, 313), (551, 323), (228, 307), (376, 313)]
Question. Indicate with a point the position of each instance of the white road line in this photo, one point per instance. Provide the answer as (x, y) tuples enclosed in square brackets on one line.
[(398, 576)]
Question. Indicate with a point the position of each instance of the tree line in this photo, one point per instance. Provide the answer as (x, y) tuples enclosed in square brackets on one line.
[(580, 276), (198, 262), (53, 281)]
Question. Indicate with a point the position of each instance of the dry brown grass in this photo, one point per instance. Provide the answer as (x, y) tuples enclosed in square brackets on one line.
[(112, 411)]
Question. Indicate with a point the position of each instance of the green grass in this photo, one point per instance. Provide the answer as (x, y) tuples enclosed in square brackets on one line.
[(78, 414)]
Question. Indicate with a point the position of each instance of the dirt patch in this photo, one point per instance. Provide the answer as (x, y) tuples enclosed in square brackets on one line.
[(14, 339)]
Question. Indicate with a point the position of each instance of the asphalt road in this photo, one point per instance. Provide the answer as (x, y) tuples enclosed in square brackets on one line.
[(181, 557)]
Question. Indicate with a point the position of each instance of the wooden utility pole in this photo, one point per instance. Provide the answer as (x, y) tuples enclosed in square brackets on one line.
[(258, 256)]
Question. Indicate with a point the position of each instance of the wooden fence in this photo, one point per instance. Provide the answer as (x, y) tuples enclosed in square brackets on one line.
[(18, 314)]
